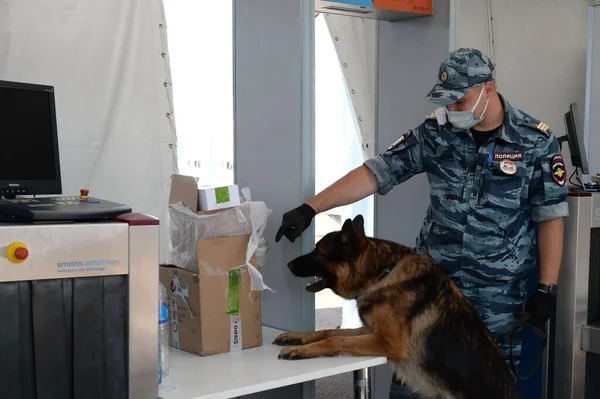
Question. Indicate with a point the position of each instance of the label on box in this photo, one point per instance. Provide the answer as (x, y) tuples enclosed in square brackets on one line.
[(236, 333), (222, 195)]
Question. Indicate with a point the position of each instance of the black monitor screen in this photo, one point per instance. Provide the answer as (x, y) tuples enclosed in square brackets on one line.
[(26, 124), (575, 138)]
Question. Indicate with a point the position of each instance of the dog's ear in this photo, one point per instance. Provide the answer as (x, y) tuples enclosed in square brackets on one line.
[(348, 234), (359, 225)]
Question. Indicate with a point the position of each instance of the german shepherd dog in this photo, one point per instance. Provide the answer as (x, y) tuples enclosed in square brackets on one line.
[(412, 313)]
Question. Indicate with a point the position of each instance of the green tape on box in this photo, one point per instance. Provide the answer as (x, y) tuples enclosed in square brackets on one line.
[(222, 195), (233, 298)]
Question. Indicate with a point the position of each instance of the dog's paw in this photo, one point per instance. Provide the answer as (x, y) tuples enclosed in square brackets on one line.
[(290, 339), (290, 353)]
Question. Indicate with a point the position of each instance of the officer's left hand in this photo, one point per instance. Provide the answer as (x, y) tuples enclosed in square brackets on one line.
[(540, 307)]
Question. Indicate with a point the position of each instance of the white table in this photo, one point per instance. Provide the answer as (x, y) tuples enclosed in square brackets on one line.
[(255, 370)]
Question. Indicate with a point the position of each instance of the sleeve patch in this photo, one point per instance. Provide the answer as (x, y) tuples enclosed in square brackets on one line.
[(400, 140), (559, 172)]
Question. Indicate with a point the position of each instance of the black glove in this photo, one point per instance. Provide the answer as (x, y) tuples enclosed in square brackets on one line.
[(295, 222), (540, 307)]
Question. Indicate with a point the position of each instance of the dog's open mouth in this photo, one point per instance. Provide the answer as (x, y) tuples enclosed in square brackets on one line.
[(316, 284)]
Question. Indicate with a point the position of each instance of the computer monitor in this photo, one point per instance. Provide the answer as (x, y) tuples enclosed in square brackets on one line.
[(29, 164), (575, 138)]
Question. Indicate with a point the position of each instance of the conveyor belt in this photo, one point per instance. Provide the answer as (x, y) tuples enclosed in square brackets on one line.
[(64, 338)]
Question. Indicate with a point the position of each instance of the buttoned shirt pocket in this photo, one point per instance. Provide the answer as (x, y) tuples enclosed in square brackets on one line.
[(501, 189)]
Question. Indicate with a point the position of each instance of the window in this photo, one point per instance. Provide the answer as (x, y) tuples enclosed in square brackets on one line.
[(201, 59)]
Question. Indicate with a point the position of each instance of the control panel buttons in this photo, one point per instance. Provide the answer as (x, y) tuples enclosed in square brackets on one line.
[(17, 252)]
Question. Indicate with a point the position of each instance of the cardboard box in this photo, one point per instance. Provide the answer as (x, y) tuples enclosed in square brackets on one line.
[(219, 197), (185, 189), (214, 311)]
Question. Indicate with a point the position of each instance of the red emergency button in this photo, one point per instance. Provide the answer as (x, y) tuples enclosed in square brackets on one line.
[(21, 253), (17, 252)]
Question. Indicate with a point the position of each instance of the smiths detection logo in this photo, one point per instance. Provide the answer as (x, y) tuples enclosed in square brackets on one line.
[(82, 266)]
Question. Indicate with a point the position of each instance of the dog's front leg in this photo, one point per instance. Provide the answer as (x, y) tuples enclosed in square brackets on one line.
[(363, 345), (303, 338)]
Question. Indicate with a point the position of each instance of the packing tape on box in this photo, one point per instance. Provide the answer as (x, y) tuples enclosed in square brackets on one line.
[(177, 289), (256, 280), (233, 294)]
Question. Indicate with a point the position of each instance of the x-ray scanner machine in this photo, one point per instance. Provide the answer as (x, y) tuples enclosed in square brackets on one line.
[(78, 275), (575, 362)]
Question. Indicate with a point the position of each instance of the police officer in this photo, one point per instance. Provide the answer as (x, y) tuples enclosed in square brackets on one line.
[(497, 196)]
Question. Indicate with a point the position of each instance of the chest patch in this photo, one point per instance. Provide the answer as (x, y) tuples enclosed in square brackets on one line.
[(508, 167), (558, 170), (510, 156)]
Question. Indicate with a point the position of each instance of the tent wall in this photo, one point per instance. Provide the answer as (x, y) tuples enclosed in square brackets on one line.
[(274, 143), (104, 60), (539, 48), (409, 55)]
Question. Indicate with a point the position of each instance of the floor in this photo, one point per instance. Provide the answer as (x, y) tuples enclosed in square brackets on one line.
[(328, 314)]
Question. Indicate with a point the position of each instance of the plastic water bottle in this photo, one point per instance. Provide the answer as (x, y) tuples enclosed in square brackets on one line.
[(164, 364)]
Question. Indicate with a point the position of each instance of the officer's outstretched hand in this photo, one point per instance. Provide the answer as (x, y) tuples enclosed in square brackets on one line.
[(540, 307), (295, 222)]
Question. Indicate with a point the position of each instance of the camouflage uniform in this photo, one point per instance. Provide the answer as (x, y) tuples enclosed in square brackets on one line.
[(480, 226)]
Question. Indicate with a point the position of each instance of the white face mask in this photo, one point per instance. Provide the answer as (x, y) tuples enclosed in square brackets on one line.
[(466, 119)]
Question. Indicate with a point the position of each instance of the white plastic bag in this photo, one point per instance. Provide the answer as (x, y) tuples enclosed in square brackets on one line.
[(187, 227)]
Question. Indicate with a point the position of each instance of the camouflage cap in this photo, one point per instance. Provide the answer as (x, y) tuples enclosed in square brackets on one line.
[(462, 70)]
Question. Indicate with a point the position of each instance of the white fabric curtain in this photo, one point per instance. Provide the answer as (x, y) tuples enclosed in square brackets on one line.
[(355, 41), (104, 60), (339, 144)]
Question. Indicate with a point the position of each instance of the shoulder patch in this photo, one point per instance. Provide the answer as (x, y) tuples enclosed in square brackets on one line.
[(400, 140), (540, 126), (431, 116), (558, 170)]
